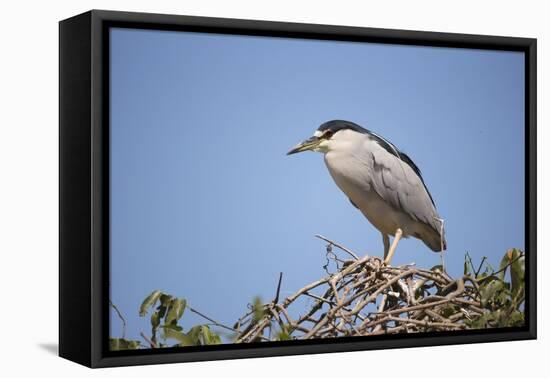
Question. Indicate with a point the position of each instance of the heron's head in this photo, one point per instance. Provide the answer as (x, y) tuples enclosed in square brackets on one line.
[(329, 136)]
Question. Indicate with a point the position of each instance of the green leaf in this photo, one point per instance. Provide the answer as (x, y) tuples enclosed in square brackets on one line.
[(482, 276), (489, 290), (449, 310), (165, 300), (173, 326), (216, 339), (283, 336), (194, 334), (209, 337), (175, 310), (258, 308), (149, 302), (517, 319), (480, 322), (155, 320), (182, 338), (484, 281), (206, 335), (133, 344), (114, 344), (123, 344), (517, 272), (503, 267), (468, 267)]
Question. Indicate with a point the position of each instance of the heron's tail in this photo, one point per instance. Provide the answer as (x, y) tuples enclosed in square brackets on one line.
[(435, 239), (435, 243)]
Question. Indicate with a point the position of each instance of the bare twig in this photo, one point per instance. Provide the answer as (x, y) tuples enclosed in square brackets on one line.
[(503, 268), (276, 300), (215, 322), (338, 246), (366, 297), (121, 318), (480, 266), (151, 342)]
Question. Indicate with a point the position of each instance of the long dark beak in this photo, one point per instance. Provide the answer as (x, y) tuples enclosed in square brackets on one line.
[(306, 145)]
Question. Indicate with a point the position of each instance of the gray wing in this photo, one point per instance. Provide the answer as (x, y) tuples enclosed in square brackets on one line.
[(402, 186)]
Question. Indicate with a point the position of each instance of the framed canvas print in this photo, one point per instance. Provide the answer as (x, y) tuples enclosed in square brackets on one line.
[(235, 188)]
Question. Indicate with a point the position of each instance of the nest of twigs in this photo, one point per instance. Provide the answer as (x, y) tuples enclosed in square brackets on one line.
[(357, 297), (365, 297)]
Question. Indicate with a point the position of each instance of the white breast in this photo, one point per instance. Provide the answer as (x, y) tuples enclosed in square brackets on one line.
[(352, 174)]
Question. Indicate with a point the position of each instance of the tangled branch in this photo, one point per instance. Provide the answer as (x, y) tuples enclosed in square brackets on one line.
[(359, 297), (366, 297)]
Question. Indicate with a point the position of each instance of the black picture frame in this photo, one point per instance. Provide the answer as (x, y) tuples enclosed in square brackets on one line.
[(84, 195)]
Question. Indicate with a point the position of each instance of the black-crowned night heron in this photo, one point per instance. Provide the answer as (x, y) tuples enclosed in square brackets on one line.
[(379, 180)]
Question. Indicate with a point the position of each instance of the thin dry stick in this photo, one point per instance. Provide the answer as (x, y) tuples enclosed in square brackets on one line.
[(276, 300), (338, 246), (151, 342), (215, 322), (503, 268), (365, 297), (121, 318)]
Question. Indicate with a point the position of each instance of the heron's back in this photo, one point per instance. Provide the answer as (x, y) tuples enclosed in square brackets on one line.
[(387, 190)]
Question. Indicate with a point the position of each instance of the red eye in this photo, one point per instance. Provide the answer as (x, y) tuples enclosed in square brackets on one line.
[(327, 134)]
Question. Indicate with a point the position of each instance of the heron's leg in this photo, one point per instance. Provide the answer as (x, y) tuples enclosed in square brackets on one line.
[(386, 240), (398, 235)]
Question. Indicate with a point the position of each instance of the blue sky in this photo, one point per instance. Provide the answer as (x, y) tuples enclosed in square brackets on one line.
[(204, 203)]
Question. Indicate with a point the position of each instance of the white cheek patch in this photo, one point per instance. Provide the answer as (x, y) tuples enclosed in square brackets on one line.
[(324, 143), (324, 146)]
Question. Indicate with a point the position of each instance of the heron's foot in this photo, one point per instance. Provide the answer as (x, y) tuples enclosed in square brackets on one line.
[(386, 241)]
